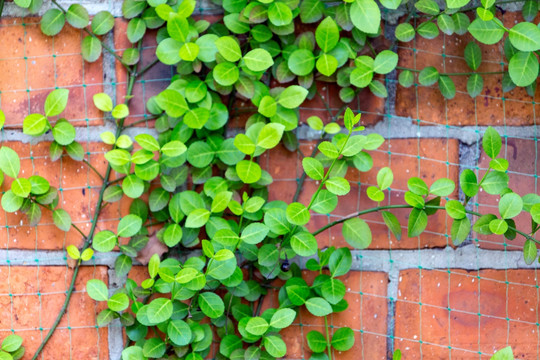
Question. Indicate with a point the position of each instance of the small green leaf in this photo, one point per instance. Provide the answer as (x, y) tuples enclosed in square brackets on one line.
[(129, 225), (442, 187), (491, 142), (392, 223), (318, 306), (12, 343), (102, 23), (357, 233), (530, 251), (97, 290), (343, 339), (56, 102), (52, 22), (510, 205), (417, 222), (366, 16), (62, 220), (257, 326)]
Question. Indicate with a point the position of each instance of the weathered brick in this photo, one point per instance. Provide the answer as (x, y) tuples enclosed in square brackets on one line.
[(489, 309), (523, 173), (446, 53), (429, 159), (31, 298), (366, 315), (155, 80), (33, 64), (80, 188)]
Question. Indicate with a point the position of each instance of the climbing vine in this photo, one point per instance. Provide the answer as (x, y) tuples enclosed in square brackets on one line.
[(206, 190)]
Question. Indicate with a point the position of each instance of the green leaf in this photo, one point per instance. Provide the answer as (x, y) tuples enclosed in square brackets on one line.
[(504, 354), (279, 14), (498, 226), (301, 62), (11, 202), (229, 48), (460, 230), (179, 332), (482, 224), (495, 182), (35, 124), (469, 182), (226, 73), (530, 251), (91, 48), (254, 233), (366, 16), (97, 290), (357, 233), (491, 142), (456, 4), (292, 97), (52, 22), (487, 32), (270, 135), (446, 24), (442, 187), (61, 219), (429, 7), (455, 209), (168, 51), (77, 16), (338, 186), (21, 187), (132, 352), (304, 244), (102, 23), (316, 341), (282, 318), (318, 306), (197, 218), (248, 171), (523, 68), (530, 10), (12, 343), (428, 76), (257, 326), (104, 241), (475, 85), (327, 34), (510, 205), (385, 62), (258, 60), (385, 177), (363, 74), (63, 132), (120, 111), (405, 32), (417, 222), (473, 55), (313, 168), (343, 339), (275, 346), (447, 87), (525, 36), (392, 223), (56, 102), (135, 30), (160, 310), (297, 214), (428, 31), (211, 305), (172, 102), (129, 225), (333, 290), (73, 252)]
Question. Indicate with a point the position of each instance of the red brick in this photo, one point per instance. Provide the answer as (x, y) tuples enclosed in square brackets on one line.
[(491, 107), (38, 293), (80, 188), (366, 315), (506, 300), (438, 158), (522, 171), (34, 64)]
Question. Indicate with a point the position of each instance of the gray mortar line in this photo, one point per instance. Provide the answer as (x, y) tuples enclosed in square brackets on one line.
[(468, 257)]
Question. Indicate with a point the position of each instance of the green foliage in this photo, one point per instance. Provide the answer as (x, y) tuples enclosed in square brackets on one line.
[(256, 55)]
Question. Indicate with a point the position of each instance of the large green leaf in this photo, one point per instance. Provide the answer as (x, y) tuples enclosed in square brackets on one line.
[(357, 233), (525, 36), (523, 68), (366, 16), (327, 34)]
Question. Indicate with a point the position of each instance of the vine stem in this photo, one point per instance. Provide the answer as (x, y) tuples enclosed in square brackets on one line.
[(303, 176), (328, 345), (403, 206), (94, 169), (455, 74), (88, 239), (1, 7)]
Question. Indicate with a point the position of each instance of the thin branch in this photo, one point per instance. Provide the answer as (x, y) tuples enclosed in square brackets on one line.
[(1, 6), (79, 230), (94, 169), (146, 68), (456, 74)]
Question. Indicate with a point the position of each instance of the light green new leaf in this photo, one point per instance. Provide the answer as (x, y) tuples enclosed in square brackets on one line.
[(292, 97), (366, 16), (56, 102), (258, 60), (327, 34), (270, 135), (491, 143), (10, 164), (229, 48)]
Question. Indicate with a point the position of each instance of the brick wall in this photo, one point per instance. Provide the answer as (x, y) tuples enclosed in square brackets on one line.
[(421, 295)]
